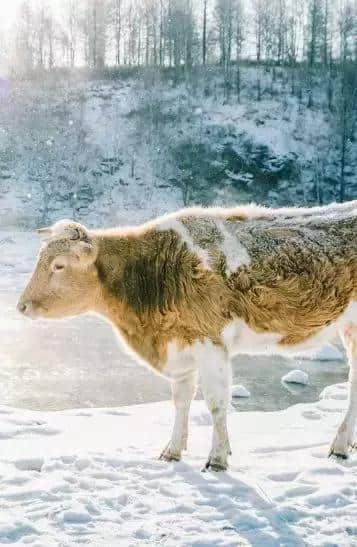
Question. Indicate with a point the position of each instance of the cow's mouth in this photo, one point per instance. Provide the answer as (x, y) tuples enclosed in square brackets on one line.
[(29, 309)]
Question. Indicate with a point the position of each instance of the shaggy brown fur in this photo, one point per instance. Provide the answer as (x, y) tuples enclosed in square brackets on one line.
[(158, 292)]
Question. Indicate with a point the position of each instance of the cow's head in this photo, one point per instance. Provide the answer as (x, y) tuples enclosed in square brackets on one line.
[(65, 281)]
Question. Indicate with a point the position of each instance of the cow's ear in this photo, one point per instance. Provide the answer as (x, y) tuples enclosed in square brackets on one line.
[(45, 232), (65, 228), (84, 253)]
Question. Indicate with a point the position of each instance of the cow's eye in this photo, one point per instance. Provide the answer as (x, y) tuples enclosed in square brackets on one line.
[(58, 267)]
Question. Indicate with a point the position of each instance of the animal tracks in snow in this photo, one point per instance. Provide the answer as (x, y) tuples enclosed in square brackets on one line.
[(96, 481)]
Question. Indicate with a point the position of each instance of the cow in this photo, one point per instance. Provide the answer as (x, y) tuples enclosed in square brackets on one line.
[(189, 290)]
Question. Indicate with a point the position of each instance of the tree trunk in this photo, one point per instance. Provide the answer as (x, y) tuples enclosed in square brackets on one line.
[(204, 33), (343, 152)]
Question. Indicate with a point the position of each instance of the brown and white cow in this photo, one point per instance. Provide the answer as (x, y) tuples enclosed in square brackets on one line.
[(190, 289)]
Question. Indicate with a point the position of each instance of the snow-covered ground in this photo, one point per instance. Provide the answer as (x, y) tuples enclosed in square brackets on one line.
[(91, 477)]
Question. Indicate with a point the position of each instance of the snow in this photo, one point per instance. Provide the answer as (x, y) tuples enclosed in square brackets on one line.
[(325, 353), (91, 477), (240, 391), (296, 377)]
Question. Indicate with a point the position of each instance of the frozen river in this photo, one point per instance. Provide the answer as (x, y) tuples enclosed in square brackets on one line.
[(79, 362)]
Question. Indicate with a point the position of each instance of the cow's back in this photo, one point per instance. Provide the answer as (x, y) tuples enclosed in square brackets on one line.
[(290, 271)]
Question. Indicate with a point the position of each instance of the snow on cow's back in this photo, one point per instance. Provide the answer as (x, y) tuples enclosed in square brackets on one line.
[(231, 233), (211, 234)]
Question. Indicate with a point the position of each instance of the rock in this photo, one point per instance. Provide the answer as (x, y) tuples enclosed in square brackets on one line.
[(325, 353), (240, 391), (296, 377)]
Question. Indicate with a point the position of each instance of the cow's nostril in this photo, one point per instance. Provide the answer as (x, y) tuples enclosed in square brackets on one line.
[(23, 307)]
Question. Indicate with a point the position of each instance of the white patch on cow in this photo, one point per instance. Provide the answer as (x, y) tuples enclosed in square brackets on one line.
[(241, 339), (179, 228), (180, 362), (236, 254)]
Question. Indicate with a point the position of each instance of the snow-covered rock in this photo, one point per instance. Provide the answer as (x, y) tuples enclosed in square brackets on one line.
[(296, 377), (337, 392), (240, 391), (325, 353)]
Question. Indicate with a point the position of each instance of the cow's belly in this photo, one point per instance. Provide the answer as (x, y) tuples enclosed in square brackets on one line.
[(240, 338)]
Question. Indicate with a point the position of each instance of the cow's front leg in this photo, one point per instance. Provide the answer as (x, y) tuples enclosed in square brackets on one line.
[(183, 391), (215, 372), (344, 437)]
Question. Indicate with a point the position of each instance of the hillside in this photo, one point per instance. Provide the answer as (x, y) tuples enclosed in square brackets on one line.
[(123, 150)]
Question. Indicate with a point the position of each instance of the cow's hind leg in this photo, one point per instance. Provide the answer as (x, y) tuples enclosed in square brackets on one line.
[(344, 438), (215, 372), (183, 391)]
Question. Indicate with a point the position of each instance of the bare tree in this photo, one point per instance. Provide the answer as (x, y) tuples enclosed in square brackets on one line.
[(348, 93), (315, 30), (281, 31), (94, 27), (117, 22), (326, 33), (25, 50), (258, 8), (40, 33), (204, 33)]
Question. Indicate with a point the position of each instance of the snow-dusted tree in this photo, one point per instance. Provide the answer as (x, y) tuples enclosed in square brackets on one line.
[(40, 32), (94, 27), (50, 38), (24, 38), (265, 25), (239, 23), (70, 30), (258, 10), (239, 39), (204, 32), (224, 21), (326, 33), (281, 30), (117, 22), (315, 31), (347, 100), (180, 28), (294, 32), (162, 33), (151, 13)]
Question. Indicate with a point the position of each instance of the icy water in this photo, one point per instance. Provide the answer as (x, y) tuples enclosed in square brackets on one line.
[(80, 363)]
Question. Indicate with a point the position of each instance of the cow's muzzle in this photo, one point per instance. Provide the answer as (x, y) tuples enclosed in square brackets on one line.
[(26, 308)]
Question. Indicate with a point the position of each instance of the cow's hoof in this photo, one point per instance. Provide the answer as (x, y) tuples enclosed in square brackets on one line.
[(338, 450), (338, 455), (168, 456), (215, 465)]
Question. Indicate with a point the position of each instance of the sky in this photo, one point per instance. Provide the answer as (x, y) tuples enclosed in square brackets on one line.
[(8, 9)]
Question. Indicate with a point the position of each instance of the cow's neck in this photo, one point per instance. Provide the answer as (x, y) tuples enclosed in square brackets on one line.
[(116, 257)]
